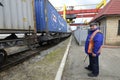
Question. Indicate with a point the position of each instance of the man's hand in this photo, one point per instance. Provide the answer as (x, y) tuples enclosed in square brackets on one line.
[(93, 54)]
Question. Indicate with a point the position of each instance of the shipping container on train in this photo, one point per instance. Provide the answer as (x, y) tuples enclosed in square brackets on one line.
[(47, 18), (37, 21), (16, 16)]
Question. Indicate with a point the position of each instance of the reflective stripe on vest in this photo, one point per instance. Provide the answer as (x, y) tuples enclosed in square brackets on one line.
[(91, 42)]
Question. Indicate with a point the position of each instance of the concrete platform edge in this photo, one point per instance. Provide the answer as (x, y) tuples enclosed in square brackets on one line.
[(62, 65)]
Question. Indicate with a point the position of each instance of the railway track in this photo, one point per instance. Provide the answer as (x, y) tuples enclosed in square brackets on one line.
[(20, 57)]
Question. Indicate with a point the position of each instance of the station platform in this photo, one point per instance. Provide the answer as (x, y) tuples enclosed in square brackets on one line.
[(109, 62)]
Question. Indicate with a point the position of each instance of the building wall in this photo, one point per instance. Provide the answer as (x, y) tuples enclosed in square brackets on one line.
[(112, 37), (103, 28)]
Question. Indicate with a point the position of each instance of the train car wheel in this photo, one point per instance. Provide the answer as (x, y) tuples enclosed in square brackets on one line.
[(32, 47), (20, 43), (41, 43), (3, 56), (56, 41), (11, 43), (49, 42)]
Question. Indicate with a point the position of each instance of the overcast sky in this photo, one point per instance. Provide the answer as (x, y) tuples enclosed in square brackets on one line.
[(73, 2), (57, 3)]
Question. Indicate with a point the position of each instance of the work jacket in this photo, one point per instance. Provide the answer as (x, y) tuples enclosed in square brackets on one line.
[(97, 40)]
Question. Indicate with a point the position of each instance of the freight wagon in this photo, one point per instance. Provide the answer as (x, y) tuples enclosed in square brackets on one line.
[(37, 20), (49, 21)]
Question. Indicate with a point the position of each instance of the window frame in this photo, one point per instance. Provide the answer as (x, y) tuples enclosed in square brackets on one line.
[(118, 28)]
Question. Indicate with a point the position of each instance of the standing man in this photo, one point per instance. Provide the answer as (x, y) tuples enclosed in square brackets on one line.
[(93, 47)]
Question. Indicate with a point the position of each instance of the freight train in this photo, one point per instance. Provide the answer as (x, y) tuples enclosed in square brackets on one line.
[(36, 20)]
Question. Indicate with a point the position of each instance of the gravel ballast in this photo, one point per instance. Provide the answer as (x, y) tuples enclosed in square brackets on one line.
[(41, 67)]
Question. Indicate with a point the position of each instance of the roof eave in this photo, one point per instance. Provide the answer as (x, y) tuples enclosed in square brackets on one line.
[(98, 19)]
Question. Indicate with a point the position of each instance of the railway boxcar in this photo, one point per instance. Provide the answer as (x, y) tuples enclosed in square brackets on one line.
[(47, 18), (16, 16)]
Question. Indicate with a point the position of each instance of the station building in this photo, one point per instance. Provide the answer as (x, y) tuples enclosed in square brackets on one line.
[(109, 22)]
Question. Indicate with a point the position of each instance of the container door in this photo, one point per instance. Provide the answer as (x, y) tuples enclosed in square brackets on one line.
[(40, 15)]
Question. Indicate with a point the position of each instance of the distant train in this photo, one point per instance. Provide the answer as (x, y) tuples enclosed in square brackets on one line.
[(37, 20)]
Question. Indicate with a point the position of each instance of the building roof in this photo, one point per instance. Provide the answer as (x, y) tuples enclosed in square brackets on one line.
[(112, 8)]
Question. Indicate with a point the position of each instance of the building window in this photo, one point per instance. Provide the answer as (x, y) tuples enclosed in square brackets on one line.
[(119, 27)]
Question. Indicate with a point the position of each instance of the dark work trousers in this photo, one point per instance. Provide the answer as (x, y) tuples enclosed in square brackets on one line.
[(94, 64)]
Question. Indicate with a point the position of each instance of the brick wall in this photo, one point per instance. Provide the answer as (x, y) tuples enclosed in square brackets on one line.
[(112, 37)]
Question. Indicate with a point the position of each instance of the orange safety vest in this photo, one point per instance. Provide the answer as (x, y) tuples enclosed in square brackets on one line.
[(91, 43)]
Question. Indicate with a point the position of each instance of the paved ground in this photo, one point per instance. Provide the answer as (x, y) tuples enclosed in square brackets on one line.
[(109, 64)]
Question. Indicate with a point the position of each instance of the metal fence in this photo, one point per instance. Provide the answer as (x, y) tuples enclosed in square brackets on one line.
[(81, 34)]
